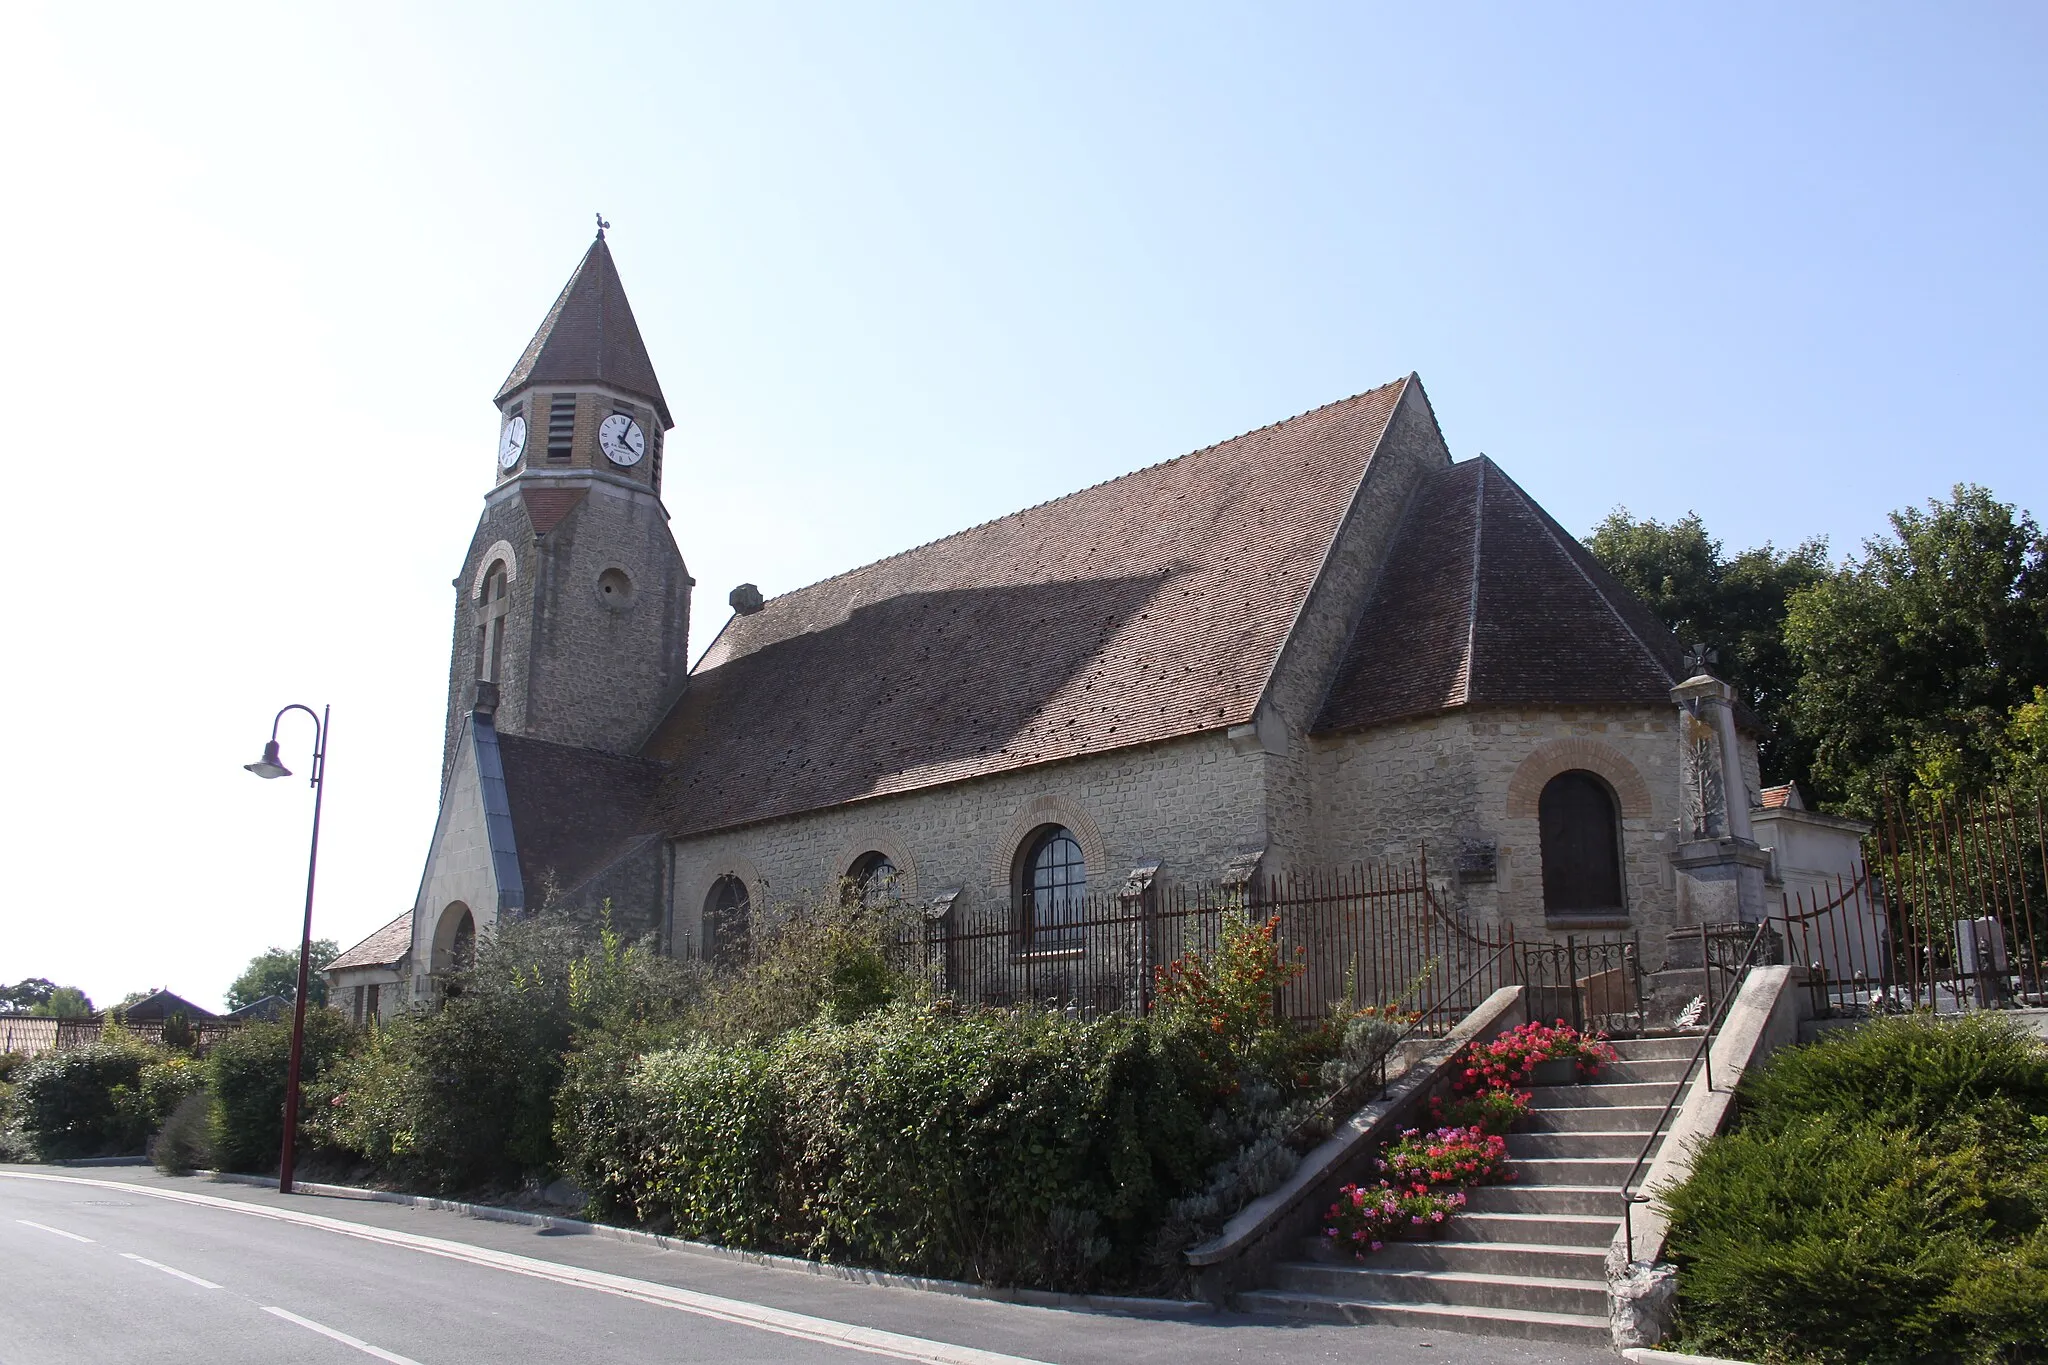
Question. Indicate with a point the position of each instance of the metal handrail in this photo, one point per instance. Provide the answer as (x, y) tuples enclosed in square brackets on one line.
[(1702, 1052)]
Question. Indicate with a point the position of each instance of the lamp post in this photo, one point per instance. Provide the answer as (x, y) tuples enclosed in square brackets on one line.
[(270, 766)]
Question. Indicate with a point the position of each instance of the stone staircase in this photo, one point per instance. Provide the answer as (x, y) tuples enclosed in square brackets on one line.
[(1523, 1259)]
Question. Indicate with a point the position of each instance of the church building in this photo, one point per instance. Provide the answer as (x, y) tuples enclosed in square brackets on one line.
[(1323, 642)]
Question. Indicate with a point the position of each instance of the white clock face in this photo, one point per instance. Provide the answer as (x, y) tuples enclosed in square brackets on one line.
[(512, 442), (619, 437)]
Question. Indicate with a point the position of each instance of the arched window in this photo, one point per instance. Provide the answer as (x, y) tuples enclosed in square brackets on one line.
[(1054, 882), (872, 880), (726, 912), (1581, 834), (492, 606)]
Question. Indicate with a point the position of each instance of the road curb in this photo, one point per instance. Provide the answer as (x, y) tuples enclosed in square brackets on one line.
[(1034, 1298)]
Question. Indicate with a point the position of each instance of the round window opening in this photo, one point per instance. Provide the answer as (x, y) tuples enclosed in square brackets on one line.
[(614, 589)]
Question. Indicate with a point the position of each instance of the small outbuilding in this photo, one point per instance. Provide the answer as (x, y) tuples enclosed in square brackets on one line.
[(369, 981)]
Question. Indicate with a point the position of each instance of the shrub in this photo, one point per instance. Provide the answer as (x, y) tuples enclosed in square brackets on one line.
[(247, 1069), (828, 957), (1880, 1200), (103, 1099), (464, 1097), (1229, 995), (1908, 1071), (999, 1147), (184, 1144)]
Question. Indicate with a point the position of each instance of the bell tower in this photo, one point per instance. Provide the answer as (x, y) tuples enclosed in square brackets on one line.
[(572, 608)]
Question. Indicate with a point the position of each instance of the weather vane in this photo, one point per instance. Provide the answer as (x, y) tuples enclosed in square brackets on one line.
[(601, 226)]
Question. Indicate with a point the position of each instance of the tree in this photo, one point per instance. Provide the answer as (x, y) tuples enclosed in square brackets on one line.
[(65, 1002), (24, 996), (276, 972), (1734, 606), (1918, 662)]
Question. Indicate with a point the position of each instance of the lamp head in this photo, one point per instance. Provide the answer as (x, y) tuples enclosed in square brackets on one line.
[(268, 765)]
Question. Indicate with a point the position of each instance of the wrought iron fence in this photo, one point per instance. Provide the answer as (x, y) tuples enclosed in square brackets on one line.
[(1946, 912), (1375, 935), (32, 1034)]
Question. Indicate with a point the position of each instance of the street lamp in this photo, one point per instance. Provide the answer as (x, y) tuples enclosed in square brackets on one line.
[(271, 766)]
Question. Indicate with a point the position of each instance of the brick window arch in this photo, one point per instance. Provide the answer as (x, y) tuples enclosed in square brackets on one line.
[(1579, 822)]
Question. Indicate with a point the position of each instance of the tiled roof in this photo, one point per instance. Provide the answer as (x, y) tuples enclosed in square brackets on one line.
[(384, 948), (1142, 609), (546, 507), (589, 337), (574, 810), (1781, 798), (1485, 601)]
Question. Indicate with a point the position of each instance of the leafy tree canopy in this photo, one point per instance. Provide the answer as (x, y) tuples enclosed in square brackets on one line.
[(1733, 605), (66, 1002), (276, 972), (39, 995), (1922, 664)]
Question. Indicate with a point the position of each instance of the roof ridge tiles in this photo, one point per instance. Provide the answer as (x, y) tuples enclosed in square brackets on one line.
[(1089, 488)]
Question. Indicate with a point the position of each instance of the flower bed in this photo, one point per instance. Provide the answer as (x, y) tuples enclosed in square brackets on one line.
[(1424, 1174), (1510, 1059)]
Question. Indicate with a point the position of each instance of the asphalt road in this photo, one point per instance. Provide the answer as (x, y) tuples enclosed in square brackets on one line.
[(123, 1265)]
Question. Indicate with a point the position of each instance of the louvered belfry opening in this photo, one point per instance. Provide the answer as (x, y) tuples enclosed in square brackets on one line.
[(1581, 835), (561, 426)]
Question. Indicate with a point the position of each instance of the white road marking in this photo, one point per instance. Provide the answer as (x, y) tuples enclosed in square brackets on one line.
[(45, 1227), (804, 1327), (344, 1338), (170, 1270)]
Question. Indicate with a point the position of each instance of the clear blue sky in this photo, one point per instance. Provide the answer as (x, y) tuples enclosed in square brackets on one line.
[(902, 268)]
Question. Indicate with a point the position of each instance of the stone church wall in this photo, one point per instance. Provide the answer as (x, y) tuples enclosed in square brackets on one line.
[(1193, 804), (1463, 781), (1411, 447)]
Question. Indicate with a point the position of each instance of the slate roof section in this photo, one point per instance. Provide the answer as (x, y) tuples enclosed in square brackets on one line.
[(575, 809), (158, 1006), (1139, 610), (1486, 601), (385, 948), (589, 337)]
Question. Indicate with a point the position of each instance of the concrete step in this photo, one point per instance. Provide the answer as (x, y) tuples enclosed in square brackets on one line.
[(1572, 1201), (1582, 1328), (1626, 1071), (1539, 1259), (1595, 1118), (1630, 1095), (1573, 1170), (1577, 1142), (1663, 1049), (1521, 1229), (1549, 1229), (1523, 1293)]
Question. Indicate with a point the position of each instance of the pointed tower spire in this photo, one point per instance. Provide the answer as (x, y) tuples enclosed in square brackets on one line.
[(589, 337)]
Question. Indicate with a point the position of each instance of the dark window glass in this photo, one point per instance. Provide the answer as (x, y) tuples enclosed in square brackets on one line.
[(873, 879), (1581, 846), (1055, 886), (726, 912)]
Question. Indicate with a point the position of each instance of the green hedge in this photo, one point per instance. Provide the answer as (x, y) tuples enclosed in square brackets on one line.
[(1882, 1199), (104, 1099), (1001, 1148), (248, 1069)]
